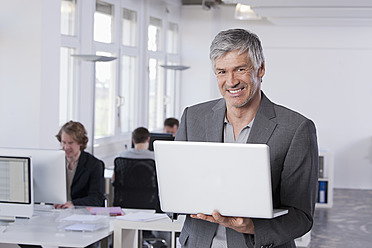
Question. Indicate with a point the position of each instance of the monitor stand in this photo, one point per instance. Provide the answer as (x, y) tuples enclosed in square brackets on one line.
[(7, 219)]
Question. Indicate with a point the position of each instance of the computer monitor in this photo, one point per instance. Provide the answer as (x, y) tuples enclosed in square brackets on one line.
[(16, 198), (49, 173), (159, 136)]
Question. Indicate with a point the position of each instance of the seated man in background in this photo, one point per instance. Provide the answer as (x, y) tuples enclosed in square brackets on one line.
[(141, 139), (171, 126), (84, 172)]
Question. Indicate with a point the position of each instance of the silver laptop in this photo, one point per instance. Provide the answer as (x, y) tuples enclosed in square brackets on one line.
[(200, 177)]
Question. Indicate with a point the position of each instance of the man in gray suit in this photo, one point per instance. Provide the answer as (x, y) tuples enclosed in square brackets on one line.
[(246, 115)]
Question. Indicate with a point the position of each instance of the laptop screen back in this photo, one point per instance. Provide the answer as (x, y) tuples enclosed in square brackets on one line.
[(200, 177)]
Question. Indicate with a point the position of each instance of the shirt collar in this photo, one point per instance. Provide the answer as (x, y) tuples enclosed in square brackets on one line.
[(249, 124)]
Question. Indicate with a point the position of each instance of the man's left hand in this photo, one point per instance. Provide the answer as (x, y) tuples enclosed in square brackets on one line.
[(239, 224)]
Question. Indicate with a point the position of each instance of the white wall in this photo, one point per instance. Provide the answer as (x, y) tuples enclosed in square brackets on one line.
[(322, 72), (28, 73), (196, 84)]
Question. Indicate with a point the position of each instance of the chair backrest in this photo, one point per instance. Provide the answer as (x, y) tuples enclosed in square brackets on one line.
[(135, 184)]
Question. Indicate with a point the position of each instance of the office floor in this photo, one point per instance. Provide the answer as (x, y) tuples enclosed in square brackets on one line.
[(347, 224)]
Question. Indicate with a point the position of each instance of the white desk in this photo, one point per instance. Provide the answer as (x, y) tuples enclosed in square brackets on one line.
[(126, 233), (42, 229), (109, 191)]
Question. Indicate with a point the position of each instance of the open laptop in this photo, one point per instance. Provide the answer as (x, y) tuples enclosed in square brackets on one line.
[(200, 177)]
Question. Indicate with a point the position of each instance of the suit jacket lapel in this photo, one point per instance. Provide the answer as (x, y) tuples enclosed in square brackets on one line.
[(80, 167), (262, 129), (215, 121), (263, 125)]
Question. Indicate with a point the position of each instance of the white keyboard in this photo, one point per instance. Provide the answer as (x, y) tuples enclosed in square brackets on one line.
[(39, 207)]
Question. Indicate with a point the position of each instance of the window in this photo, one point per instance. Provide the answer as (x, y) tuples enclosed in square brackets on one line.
[(129, 25), (172, 75), (156, 78), (130, 91), (105, 97), (172, 38), (103, 20), (105, 71), (69, 43), (127, 93), (154, 34), (68, 17), (170, 93), (66, 90), (156, 95), (129, 78)]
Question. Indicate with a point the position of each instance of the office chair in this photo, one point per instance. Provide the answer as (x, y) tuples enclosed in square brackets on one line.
[(136, 186)]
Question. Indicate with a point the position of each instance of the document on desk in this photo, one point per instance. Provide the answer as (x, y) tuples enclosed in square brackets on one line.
[(84, 222), (142, 216), (83, 218), (84, 227)]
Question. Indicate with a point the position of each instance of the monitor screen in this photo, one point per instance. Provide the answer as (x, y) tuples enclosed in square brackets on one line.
[(16, 198), (159, 136), (49, 173)]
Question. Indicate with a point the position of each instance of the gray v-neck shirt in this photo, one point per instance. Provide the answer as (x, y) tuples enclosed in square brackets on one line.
[(219, 239)]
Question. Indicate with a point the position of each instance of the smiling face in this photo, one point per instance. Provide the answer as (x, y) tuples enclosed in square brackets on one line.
[(238, 82), (70, 146)]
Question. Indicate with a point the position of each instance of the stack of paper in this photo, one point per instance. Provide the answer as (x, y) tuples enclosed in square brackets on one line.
[(85, 227), (83, 218), (142, 216), (84, 222)]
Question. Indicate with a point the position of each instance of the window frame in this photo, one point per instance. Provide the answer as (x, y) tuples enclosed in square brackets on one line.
[(73, 42), (83, 42)]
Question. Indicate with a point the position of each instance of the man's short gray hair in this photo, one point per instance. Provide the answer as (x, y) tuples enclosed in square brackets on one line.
[(237, 39)]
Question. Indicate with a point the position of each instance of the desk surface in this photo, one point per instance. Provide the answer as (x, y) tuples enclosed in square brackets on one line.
[(43, 229), (126, 232), (166, 225)]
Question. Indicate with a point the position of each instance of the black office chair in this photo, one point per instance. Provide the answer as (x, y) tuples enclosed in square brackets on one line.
[(135, 186)]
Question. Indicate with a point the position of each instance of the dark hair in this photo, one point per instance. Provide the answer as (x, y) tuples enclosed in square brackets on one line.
[(171, 122), (140, 135), (77, 131), (237, 39)]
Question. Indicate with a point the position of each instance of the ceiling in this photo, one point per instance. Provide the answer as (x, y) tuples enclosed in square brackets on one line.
[(303, 12)]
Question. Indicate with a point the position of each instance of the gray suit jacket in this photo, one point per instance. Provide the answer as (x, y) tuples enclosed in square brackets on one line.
[(294, 171)]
